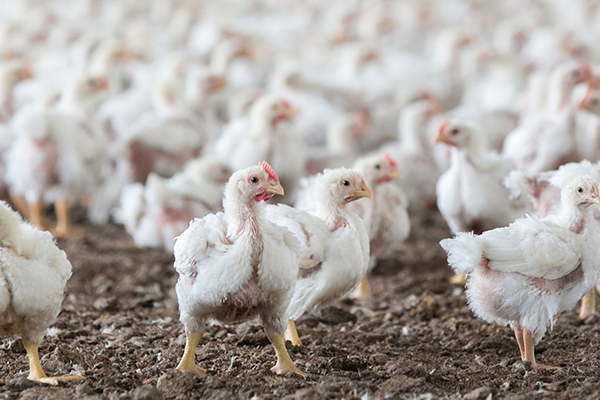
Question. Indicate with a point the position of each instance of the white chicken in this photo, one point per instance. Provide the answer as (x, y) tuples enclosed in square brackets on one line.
[(525, 274), (470, 194), (543, 190), (57, 155), (385, 215), (34, 275), (263, 136), (163, 140), (158, 212), (414, 152), (335, 243), (236, 265), (546, 140), (343, 143), (588, 125)]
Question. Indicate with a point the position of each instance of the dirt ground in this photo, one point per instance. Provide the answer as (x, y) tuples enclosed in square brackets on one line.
[(415, 338)]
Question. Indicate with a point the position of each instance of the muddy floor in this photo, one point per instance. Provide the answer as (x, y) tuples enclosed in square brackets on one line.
[(415, 338)]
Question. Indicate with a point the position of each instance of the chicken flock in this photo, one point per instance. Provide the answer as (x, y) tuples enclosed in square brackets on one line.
[(181, 120)]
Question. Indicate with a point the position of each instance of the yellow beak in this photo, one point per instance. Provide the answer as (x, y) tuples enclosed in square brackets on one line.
[(438, 139), (395, 174), (275, 189), (364, 191)]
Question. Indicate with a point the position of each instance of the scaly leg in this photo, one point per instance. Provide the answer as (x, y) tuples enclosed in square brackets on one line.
[(284, 362), (35, 215), (291, 334), (20, 204), (588, 304), (63, 228), (188, 361), (519, 335), (529, 356), (362, 290), (36, 373)]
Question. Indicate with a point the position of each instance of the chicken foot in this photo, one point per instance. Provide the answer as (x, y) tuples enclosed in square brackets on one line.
[(291, 334), (528, 345), (284, 362), (188, 361), (588, 304), (36, 373)]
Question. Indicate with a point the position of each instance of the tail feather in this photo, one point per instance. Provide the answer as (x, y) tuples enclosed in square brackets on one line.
[(464, 251)]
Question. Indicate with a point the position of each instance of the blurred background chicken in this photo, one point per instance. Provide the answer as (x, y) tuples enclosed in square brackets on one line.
[(385, 214), (156, 213)]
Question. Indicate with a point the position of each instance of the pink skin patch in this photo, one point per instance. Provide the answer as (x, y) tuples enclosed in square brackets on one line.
[(385, 179), (269, 170), (390, 160)]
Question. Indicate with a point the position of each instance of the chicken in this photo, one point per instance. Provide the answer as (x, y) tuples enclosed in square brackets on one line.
[(385, 215), (146, 145), (414, 152), (543, 190), (334, 241), (236, 265), (34, 274), (57, 156), (11, 72), (588, 125), (343, 143), (546, 140), (158, 212), (470, 194), (264, 136), (525, 274)]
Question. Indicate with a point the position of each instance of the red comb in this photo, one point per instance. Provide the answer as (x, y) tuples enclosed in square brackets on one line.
[(443, 126), (585, 67), (269, 170), (390, 160)]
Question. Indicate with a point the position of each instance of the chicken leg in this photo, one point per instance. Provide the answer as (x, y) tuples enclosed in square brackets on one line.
[(529, 342), (363, 289), (20, 204), (35, 215), (519, 335), (588, 304), (36, 373), (188, 361), (291, 334), (458, 279), (63, 228), (284, 362)]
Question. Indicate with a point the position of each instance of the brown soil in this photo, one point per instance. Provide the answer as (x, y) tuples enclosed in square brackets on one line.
[(414, 338)]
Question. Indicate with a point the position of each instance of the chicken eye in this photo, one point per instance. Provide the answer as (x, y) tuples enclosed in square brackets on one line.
[(345, 183), (579, 190), (253, 179), (377, 166), (454, 131)]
